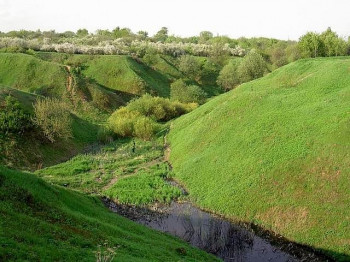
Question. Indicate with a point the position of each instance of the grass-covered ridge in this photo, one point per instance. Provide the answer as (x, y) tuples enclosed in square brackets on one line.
[(27, 73), (43, 222), (275, 151)]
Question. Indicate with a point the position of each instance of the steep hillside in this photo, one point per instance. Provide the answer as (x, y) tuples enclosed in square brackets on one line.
[(30, 74), (43, 222), (25, 99), (119, 72), (275, 151), (152, 74), (126, 74), (30, 150), (26, 79)]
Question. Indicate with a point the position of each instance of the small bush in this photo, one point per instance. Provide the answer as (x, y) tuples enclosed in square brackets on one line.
[(179, 91), (139, 118), (190, 66), (105, 135), (122, 122), (229, 77), (126, 123), (252, 67), (53, 117), (157, 108), (13, 118), (144, 128)]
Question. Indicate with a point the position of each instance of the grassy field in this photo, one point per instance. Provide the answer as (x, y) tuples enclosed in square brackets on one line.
[(50, 223), (119, 173), (275, 151)]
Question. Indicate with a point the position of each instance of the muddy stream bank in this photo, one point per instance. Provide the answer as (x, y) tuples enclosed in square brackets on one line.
[(216, 235)]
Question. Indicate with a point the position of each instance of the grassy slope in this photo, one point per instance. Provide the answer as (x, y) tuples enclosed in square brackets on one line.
[(25, 72), (120, 72), (42, 222), (125, 74), (25, 99), (25, 78), (30, 150), (275, 151)]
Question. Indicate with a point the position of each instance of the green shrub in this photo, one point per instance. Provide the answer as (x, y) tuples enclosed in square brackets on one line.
[(144, 128), (13, 118), (190, 66), (252, 67), (229, 77), (209, 73), (53, 117), (139, 118), (151, 57), (157, 108), (179, 91), (105, 135), (127, 123), (122, 122)]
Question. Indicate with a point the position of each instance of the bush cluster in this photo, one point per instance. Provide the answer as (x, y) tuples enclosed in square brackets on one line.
[(127, 123), (158, 108), (13, 118), (53, 117), (141, 116), (180, 91), (252, 66), (96, 45)]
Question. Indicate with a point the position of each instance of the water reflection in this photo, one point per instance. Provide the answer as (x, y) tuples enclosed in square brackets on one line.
[(203, 230)]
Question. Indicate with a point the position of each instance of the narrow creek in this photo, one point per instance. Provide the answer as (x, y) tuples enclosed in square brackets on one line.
[(221, 237), (215, 235)]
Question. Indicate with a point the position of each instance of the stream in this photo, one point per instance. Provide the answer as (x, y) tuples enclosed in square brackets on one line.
[(215, 235)]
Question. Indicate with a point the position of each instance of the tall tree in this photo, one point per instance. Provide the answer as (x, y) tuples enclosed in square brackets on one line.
[(161, 35), (311, 45)]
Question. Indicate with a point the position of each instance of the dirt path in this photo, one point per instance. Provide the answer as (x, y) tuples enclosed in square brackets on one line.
[(69, 83)]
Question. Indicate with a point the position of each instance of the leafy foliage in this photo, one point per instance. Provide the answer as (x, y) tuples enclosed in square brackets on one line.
[(180, 91), (229, 76), (13, 118), (158, 108), (252, 67), (139, 118), (127, 123), (53, 117), (190, 66), (326, 44)]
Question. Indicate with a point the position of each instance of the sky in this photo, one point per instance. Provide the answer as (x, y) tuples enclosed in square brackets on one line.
[(282, 19)]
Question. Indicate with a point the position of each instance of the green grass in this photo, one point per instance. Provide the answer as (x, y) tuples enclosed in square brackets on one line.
[(144, 187), (50, 223), (125, 74), (92, 172), (25, 99), (275, 151), (115, 171), (121, 72), (30, 74)]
